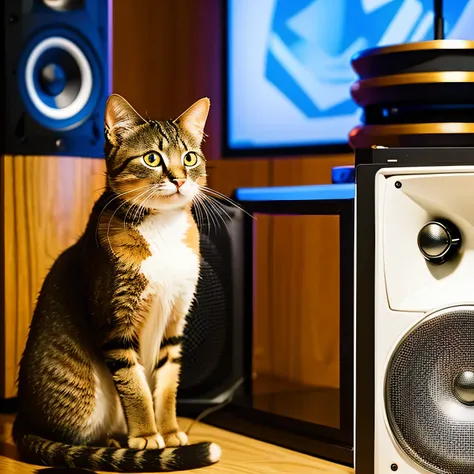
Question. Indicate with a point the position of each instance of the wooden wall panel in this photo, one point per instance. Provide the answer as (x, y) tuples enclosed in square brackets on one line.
[(302, 344), (305, 300), (47, 201), (307, 169), (166, 55), (227, 175)]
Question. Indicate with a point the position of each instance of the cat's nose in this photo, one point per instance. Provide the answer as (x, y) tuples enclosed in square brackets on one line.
[(178, 182)]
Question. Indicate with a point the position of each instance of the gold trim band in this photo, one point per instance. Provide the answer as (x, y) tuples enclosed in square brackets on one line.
[(414, 78), (438, 128), (416, 46)]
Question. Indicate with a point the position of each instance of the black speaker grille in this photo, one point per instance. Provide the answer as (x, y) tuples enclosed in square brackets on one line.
[(429, 421), (207, 323)]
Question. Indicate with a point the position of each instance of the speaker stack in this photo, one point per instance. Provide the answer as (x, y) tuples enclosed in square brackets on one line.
[(414, 253), (415, 95)]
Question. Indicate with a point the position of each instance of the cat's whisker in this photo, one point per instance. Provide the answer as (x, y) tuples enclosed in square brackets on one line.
[(108, 226), (217, 204), (216, 210), (198, 213), (219, 213), (119, 195), (230, 201), (116, 196), (217, 218), (209, 216), (152, 193), (140, 206), (133, 206)]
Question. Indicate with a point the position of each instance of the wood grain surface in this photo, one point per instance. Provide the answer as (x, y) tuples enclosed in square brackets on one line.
[(241, 455), (47, 201), (296, 305), (304, 329), (166, 55)]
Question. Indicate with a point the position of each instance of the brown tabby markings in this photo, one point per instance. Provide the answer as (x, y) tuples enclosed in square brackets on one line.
[(191, 238), (126, 243), (93, 371)]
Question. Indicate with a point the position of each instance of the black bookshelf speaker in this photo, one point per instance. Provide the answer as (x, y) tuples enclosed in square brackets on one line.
[(57, 76), (214, 350), (415, 311)]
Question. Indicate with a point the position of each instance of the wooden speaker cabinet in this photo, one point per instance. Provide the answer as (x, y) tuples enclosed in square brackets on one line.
[(45, 203)]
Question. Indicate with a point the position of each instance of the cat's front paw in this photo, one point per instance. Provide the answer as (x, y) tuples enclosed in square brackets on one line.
[(147, 442), (176, 438)]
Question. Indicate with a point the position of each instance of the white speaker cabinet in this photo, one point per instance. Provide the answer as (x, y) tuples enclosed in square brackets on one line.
[(414, 410)]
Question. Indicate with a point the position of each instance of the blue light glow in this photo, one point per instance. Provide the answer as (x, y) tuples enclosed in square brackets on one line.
[(321, 192)]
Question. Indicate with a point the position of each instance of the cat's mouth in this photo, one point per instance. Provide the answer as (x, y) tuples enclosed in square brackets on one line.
[(176, 193), (172, 197)]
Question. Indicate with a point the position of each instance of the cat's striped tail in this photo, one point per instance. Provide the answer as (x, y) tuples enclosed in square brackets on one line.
[(41, 451)]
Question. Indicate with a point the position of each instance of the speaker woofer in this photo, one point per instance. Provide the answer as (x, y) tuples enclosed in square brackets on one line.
[(428, 391), (59, 79)]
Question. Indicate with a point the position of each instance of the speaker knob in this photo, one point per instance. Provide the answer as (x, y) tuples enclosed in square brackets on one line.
[(464, 387), (439, 241)]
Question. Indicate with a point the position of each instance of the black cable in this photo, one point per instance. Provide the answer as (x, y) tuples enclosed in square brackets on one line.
[(215, 408), (438, 20)]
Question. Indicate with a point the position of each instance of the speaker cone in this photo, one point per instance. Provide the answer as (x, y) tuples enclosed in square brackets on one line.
[(59, 79), (429, 392), (64, 5)]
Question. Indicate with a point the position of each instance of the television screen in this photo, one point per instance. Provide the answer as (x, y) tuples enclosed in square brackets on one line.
[(288, 64)]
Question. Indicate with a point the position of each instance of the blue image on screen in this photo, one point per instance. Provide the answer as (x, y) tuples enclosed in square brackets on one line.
[(289, 71)]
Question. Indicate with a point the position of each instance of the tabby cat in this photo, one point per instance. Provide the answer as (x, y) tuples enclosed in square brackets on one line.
[(96, 389)]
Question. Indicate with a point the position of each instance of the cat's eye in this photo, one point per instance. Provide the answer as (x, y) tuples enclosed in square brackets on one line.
[(190, 159), (152, 159)]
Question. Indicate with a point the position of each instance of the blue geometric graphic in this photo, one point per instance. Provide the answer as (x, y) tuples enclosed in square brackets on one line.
[(289, 62), (311, 43)]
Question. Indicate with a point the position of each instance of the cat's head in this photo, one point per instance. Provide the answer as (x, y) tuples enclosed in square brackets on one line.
[(157, 165)]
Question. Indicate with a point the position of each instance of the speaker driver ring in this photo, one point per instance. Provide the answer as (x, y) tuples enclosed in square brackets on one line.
[(85, 90), (60, 78), (427, 418)]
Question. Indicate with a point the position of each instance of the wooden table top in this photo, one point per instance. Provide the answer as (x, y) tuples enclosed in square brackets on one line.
[(240, 454)]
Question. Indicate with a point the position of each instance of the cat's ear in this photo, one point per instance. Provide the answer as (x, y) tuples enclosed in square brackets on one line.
[(194, 119), (120, 117)]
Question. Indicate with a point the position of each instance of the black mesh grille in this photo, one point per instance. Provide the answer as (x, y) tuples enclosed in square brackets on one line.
[(430, 424), (205, 331), (208, 348)]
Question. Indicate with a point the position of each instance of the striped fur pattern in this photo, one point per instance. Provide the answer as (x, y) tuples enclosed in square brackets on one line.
[(99, 375)]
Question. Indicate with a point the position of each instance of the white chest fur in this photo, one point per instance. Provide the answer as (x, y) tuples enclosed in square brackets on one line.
[(172, 271)]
